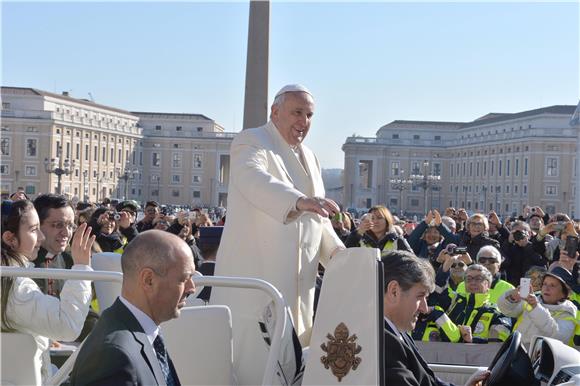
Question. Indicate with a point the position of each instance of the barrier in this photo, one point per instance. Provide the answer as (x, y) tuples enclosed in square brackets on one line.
[(236, 282)]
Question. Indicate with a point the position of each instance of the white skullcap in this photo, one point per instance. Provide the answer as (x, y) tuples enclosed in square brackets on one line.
[(292, 88)]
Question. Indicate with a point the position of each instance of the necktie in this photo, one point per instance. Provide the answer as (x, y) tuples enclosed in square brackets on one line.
[(165, 362), (48, 259)]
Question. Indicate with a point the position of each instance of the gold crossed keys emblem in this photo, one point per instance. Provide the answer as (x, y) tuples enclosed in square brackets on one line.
[(341, 350)]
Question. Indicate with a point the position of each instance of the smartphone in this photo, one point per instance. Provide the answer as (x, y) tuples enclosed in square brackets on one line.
[(560, 225), (525, 283), (571, 246)]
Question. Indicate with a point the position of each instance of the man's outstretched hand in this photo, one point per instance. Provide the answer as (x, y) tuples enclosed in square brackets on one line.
[(323, 206)]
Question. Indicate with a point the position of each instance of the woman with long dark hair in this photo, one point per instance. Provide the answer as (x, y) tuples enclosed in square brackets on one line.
[(25, 308)]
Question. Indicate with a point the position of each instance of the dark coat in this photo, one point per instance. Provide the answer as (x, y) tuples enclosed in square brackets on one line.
[(354, 240), (117, 352), (404, 365), (518, 260), (473, 244)]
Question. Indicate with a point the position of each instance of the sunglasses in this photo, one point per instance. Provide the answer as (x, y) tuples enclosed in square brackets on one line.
[(487, 260), (459, 264)]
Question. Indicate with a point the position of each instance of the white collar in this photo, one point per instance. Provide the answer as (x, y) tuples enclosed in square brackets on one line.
[(148, 325), (394, 328)]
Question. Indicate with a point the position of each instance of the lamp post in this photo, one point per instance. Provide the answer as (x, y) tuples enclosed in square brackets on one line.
[(484, 191), (85, 188), (157, 179), (127, 175), (100, 180), (426, 181), (400, 183), (54, 166)]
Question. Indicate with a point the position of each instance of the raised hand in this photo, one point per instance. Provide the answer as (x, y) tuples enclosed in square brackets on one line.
[(81, 245), (437, 217), (429, 217)]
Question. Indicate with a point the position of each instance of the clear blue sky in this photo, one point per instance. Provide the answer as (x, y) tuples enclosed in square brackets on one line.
[(367, 64)]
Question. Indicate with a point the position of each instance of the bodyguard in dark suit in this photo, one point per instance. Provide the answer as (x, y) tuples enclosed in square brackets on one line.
[(408, 282), (126, 348)]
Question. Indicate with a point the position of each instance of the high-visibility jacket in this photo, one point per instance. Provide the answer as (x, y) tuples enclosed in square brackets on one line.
[(436, 327), (487, 323), (498, 287)]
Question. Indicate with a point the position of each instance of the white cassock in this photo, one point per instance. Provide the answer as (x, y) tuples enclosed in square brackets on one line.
[(265, 237)]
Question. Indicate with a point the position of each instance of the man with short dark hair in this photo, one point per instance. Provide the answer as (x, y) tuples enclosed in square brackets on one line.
[(151, 211), (126, 346), (57, 223), (408, 282)]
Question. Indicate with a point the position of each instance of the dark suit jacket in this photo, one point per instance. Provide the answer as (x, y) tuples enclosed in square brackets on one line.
[(117, 353), (404, 365)]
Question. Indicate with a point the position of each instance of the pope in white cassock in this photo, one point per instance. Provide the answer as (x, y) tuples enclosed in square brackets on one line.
[(277, 226)]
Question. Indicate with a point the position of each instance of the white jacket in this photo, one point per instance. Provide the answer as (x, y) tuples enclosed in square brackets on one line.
[(30, 311), (266, 238), (549, 320)]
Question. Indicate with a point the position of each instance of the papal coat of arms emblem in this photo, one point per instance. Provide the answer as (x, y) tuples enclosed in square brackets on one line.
[(341, 350)]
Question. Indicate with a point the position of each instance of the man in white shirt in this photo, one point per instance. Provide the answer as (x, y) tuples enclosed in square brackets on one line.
[(125, 347)]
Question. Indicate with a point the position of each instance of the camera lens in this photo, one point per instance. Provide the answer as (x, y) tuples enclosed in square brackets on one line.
[(519, 235)]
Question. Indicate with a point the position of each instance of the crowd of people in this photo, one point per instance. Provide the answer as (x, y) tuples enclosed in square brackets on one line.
[(479, 263), (478, 278), (49, 233)]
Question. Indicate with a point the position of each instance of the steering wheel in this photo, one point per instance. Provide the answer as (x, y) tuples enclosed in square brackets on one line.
[(503, 359)]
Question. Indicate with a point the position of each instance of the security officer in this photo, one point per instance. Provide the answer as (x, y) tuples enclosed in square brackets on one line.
[(473, 311)]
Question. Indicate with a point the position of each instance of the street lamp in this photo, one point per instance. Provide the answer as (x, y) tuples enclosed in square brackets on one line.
[(156, 178), (426, 181), (100, 179), (127, 175), (85, 187), (54, 166), (401, 183), (484, 191)]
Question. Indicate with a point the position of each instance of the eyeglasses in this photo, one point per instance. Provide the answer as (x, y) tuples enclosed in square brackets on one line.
[(459, 264), (60, 225), (477, 224), (477, 279), (487, 260)]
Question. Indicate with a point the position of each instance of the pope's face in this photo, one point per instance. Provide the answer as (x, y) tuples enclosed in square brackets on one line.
[(292, 117)]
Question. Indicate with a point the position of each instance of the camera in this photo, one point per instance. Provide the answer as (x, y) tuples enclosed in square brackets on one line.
[(114, 216), (453, 249), (519, 235), (533, 210)]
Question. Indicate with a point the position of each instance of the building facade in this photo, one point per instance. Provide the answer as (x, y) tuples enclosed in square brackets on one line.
[(500, 162), (108, 152)]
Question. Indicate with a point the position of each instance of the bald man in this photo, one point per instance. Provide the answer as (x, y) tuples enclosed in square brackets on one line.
[(125, 346)]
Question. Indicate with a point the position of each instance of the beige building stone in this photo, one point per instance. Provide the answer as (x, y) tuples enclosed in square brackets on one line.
[(500, 162), (177, 158)]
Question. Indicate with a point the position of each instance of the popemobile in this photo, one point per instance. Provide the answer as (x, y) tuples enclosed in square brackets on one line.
[(347, 345)]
